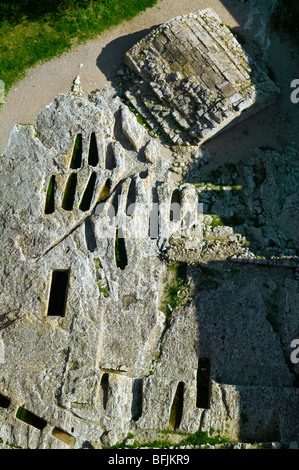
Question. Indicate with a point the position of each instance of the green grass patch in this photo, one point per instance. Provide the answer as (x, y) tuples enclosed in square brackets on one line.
[(32, 31), (204, 437), (156, 444), (211, 437), (174, 297)]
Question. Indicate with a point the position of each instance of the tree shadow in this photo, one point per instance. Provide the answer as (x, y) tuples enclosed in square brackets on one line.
[(14, 11), (245, 197), (241, 316)]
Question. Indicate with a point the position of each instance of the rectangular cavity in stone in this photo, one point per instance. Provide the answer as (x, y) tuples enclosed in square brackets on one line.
[(64, 437), (176, 411), (203, 383), (58, 294), (30, 418), (4, 401)]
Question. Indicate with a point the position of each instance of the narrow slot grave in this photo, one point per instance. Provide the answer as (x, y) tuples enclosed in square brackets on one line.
[(69, 193), (120, 250), (110, 162), (118, 131), (58, 293), (88, 193), (76, 160), (176, 411), (93, 155), (4, 401), (90, 238), (175, 206), (105, 388), (153, 230), (30, 418), (186, 220), (131, 199), (113, 210), (103, 196), (105, 190), (63, 437), (136, 409), (50, 196), (203, 383)]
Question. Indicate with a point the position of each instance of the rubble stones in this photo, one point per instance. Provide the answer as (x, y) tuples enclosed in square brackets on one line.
[(193, 67)]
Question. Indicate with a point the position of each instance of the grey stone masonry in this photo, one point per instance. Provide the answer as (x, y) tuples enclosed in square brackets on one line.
[(191, 78)]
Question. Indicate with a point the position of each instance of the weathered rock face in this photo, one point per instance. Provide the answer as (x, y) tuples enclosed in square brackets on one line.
[(111, 320), (192, 78), (80, 268)]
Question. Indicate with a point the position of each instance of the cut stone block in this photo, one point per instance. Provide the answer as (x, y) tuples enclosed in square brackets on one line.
[(204, 54)]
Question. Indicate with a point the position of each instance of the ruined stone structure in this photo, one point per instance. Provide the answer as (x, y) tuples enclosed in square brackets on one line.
[(89, 352), (191, 78)]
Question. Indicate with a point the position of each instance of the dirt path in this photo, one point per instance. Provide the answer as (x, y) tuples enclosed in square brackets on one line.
[(100, 57)]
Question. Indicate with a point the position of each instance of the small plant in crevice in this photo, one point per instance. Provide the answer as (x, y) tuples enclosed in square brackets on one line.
[(120, 250), (175, 292), (216, 221), (103, 290), (102, 281)]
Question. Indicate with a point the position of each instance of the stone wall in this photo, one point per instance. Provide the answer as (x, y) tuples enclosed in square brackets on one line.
[(191, 78)]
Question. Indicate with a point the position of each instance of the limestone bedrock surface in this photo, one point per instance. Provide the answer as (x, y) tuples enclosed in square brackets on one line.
[(110, 319), (92, 345)]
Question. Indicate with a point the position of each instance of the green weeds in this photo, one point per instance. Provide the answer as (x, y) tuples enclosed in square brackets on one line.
[(216, 221), (104, 290), (199, 438), (174, 292)]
